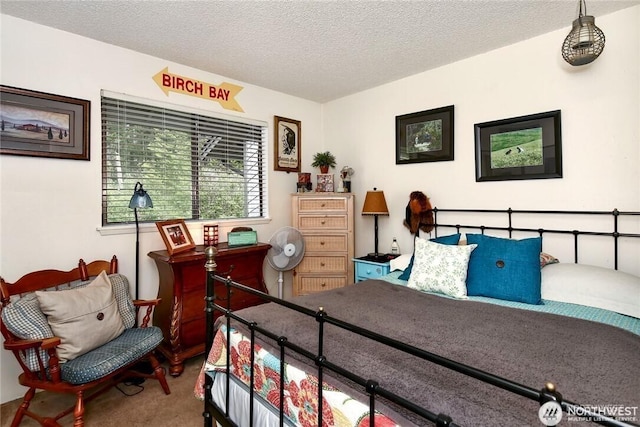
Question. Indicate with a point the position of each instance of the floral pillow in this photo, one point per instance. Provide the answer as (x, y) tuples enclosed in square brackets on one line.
[(440, 268)]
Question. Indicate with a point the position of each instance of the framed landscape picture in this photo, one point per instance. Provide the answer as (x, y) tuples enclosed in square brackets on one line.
[(426, 136), (526, 147), (41, 124)]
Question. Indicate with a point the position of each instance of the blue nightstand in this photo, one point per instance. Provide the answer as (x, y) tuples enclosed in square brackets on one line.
[(366, 269)]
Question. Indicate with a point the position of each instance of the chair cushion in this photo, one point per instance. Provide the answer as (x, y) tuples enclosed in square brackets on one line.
[(130, 346), (83, 318)]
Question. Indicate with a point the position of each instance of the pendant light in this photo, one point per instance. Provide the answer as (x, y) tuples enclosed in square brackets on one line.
[(585, 42)]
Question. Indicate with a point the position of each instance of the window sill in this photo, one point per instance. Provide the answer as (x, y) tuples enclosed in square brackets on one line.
[(112, 230)]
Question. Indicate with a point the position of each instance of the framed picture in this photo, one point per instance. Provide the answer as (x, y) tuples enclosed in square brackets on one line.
[(287, 140), (526, 147), (426, 136), (175, 235), (40, 124), (324, 183)]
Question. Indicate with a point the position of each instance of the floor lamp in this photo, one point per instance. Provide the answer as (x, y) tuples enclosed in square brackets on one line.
[(375, 204), (139, 200)]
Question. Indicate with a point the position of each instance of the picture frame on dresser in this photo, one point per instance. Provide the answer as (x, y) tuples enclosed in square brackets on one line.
[(287, 144), (175, 235), (425, 136), (39, 124), (524, 147)]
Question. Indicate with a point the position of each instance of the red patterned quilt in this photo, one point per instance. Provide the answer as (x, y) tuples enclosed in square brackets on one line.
[(301, 404)]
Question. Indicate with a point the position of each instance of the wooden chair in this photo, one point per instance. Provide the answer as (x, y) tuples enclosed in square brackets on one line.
[(86, 376)]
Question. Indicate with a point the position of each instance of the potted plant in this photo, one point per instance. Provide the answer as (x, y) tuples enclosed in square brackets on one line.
[(324, 161)]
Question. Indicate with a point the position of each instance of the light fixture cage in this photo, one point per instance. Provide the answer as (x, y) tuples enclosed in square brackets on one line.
[(585, 42)]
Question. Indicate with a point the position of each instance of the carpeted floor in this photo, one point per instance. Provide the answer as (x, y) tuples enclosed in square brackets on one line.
[(149, 407)]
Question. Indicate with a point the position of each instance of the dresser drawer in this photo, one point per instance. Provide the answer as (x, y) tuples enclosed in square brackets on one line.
[(323, 264), (326, 243), (320, 204), (311, 284), (323, 222)]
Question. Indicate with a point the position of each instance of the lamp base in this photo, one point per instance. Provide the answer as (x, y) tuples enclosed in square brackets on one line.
[(377, 257)]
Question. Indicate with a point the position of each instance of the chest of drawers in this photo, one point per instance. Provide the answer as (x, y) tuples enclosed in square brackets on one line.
[(181, 314), (326, 222)]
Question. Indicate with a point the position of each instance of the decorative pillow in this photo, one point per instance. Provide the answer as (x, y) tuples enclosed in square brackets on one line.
[(83, 318), (505, 269), (440, 268), (592, 286), (126, 308), (451, 239), (546, 259), (24, 319)]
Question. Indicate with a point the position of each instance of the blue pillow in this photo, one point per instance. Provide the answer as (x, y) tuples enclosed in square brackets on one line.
[(452, 239), (505, 269)]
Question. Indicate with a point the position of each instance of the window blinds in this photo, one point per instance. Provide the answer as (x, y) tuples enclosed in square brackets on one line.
[(194, 166)]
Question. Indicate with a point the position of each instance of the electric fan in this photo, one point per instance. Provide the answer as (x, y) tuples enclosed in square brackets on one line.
[(287, 250)]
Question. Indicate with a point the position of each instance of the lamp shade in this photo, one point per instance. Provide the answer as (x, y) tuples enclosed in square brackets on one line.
[(375, 203), (140, 198), (585, 42)]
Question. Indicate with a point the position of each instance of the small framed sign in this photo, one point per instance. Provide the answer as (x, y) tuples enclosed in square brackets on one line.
[(287, 140), (242, 238)]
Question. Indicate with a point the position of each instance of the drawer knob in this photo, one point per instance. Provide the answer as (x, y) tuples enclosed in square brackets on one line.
[(322, 264), (322, 243), (323, 222), (322, 285)]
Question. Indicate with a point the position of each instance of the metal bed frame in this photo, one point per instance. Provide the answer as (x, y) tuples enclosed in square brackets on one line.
[(370, 386)]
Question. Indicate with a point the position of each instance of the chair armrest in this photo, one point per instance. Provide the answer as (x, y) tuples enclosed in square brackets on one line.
[(45, 344), (49, 345), (150, 304)]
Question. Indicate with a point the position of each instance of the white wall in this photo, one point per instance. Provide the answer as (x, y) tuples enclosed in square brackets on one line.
[(600, 106), (51, 208)]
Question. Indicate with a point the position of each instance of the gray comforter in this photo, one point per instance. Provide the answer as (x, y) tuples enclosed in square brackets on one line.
[(590, 363)]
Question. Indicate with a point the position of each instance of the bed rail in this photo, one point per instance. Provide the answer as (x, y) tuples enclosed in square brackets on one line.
[(370, 386), (510, 215)]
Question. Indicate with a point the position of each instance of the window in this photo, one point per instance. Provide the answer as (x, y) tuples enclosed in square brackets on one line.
[(193, 165)]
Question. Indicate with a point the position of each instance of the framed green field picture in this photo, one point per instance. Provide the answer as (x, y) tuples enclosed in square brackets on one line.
[(526, 147)]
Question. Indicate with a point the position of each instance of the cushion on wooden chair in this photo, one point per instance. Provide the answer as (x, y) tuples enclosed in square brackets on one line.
[(83, 318), (25, 319), (131, 345)]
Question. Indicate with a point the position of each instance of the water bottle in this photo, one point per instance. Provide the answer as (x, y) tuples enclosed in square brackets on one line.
[(395, 248)]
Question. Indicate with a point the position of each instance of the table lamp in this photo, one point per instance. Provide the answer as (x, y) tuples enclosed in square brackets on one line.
[(375, 204)]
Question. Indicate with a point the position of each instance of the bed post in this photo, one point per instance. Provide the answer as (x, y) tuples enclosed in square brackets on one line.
[(210, 267)]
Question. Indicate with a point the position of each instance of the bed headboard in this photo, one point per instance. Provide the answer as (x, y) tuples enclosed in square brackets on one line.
[(603, 238)]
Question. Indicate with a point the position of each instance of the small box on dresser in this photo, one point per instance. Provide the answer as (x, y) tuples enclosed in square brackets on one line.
[(326, 222)]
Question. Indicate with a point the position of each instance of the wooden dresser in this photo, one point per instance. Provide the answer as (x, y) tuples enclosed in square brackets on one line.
[(182, 277), (326, 221)]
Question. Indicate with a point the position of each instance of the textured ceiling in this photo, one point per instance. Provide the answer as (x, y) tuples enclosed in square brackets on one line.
[(317, 50)]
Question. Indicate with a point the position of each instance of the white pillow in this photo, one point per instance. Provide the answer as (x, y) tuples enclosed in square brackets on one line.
[(440, 268), (592, 286), (83, 318), (400, 263)]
